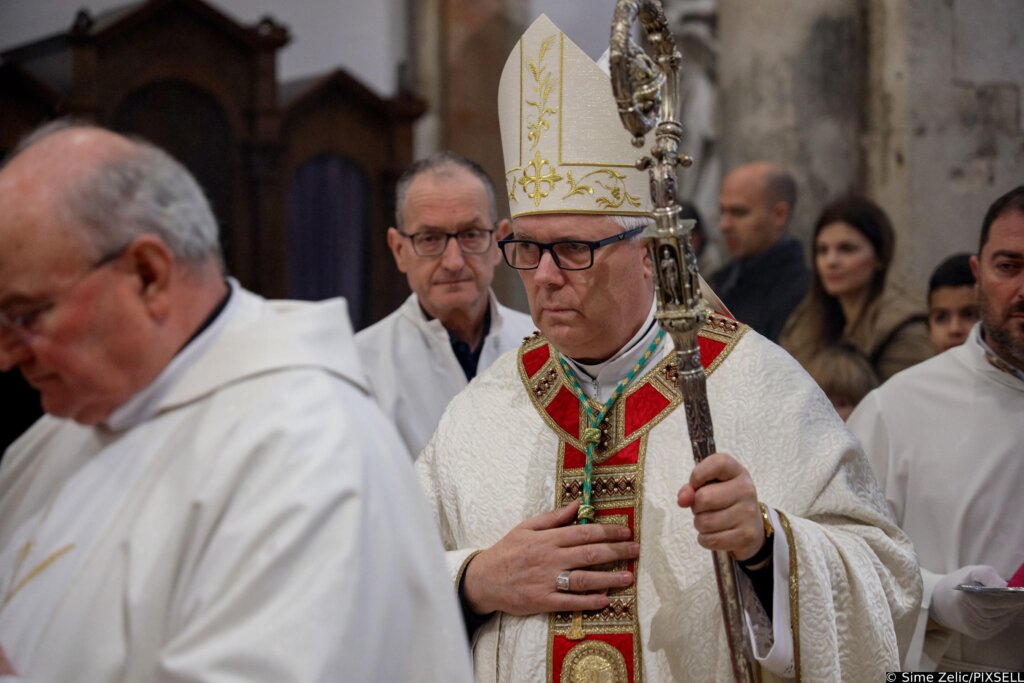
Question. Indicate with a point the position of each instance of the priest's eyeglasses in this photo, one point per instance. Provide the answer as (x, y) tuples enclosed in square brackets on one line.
[(434, 242), (24, 322), (567, 254)]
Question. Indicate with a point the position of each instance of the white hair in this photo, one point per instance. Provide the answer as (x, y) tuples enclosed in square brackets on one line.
[(630, 222), (144, 191)]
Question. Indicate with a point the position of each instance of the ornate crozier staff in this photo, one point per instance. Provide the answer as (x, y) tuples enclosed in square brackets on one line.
[(646, 91)]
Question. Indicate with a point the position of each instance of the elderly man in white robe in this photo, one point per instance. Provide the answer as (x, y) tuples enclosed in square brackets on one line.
[(452, 326), (212, 495), (946, 438), (829, 582)]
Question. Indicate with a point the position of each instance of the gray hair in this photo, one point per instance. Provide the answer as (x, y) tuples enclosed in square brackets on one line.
[(631, 222), (441, 163), (144, 191)]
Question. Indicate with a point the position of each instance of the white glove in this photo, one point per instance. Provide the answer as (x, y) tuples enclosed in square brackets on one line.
[(976, 615)]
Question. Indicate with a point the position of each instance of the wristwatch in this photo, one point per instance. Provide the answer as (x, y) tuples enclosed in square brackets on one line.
[(766, 548)]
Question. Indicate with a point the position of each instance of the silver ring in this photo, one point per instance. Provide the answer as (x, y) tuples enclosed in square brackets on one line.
[(562, 582)]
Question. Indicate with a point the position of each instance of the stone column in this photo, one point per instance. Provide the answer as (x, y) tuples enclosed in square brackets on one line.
[(460, 47), (424, 52), (944, 135), (792, 85)]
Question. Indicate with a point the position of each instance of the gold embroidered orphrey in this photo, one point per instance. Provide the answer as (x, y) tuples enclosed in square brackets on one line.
[(540, 176), (617, 494)]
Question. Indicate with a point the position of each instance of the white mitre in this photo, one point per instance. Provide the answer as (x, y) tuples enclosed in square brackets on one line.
[(565, 148)]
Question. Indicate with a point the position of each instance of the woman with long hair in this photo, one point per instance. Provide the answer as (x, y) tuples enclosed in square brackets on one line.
[(849, 301)]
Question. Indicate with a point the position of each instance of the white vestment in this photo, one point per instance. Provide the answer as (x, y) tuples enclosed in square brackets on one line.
[(250, 515), (493, 461), (946, 439), (413, 371)]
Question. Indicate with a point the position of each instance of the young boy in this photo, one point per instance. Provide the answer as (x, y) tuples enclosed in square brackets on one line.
[(952, 302), (844, 374)]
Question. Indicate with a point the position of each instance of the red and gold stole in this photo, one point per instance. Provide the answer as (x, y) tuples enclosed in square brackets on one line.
[(611, 647)]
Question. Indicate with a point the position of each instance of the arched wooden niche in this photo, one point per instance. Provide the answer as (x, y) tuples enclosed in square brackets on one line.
[(335, 117), (191, 126), (196, 82)]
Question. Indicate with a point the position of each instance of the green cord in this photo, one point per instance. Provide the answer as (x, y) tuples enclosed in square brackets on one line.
[(592, 434)]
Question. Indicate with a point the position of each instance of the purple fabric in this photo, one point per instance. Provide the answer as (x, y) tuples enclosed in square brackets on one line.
[(328, 225)]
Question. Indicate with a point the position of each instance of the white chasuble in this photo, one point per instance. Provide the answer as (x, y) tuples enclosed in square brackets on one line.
[(255, 519), (946, 438), (49, 546), (506, 450), (48, 549)]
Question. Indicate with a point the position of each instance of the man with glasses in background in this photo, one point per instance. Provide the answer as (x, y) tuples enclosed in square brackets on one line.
[(212, 495), (451, 327), (576, 524)]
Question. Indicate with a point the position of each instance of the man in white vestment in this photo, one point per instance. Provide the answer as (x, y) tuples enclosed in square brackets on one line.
[(451, 327), (827, 578), (946, 439), (212, 495)]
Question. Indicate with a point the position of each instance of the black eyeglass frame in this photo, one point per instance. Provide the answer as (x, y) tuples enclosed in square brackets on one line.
[(448, 237), (592, 245)]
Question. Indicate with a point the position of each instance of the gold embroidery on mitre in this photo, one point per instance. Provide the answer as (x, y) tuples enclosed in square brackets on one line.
[(510, 184), (543, 85), (557, 112), (539, 178), (616, 189), (594, 661), (543, 176)]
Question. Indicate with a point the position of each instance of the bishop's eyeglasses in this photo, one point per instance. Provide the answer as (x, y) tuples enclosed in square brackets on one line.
[(434, 242), (567, 254)]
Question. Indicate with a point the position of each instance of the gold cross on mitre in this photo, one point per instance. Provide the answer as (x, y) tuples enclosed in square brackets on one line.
[(563, 142)]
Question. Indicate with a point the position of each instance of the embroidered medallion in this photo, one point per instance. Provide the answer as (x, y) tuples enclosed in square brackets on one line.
[(610, 648), (594, 662)]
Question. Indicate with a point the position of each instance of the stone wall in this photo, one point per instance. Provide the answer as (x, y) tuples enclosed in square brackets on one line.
[(792, 84), (945, 135), (916, 103)]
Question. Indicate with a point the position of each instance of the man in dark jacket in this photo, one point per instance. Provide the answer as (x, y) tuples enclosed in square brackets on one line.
[(767, 277)]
